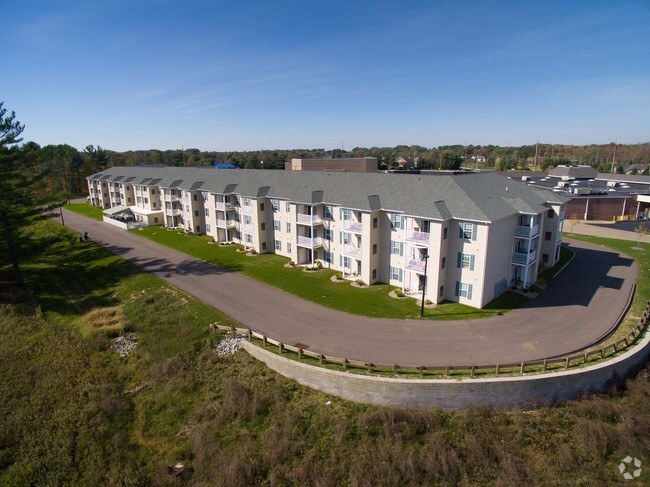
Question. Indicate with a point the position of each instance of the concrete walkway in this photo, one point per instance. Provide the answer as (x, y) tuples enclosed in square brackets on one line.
[(619, 230), (578, 308)]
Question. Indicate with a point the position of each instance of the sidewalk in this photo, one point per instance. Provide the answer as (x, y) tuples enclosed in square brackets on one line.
[(607, 229)]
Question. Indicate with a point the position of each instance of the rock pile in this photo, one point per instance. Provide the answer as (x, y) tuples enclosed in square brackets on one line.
[(125, 345), (229, 345)]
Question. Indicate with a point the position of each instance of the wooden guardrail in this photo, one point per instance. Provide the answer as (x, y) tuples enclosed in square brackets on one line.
[(554, 363)]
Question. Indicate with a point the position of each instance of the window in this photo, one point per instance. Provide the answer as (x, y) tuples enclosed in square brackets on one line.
[(444, 262), (237, 217), (395, 221), (247, 220), (205, 197), (196, 212), (154, 204), (278, 245), (396, 274), (545, 258), (276, 225), (327, 212), (346, 238), (288, 227), (263, 245), (207, 212), (261, 206), (345, 214), (467, 231), (146, 201), (463, 290), (550, 213), (374, 222), (287, 206), (328, 234), (207, 227), (465, 261), (248, 237), (155, 220), (198, 229), (396, 248), (442, 291), (275, 204), (289, 248), (129, 200), (346, 262), (548, 235), (196, 197), (153, 191), (173, 192), (329, 258), (374, 273), (246, 201), (374, 248), (238, 235), (262, 227)]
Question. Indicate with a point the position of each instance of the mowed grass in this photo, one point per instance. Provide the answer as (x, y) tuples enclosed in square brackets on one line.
[(74, 413), (86, 209), (371, 301)]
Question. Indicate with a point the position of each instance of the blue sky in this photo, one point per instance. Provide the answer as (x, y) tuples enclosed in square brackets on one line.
[(240, 75)]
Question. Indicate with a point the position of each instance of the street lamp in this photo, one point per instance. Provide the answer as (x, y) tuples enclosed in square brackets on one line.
[(424, 283)]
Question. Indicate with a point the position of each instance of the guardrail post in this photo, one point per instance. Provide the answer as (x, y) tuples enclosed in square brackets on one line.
[(264, 340), (300, 353), (280, 347), (585, 357), (232, 330), (602, 352), (545, 364), (522, 368), (472, 370), (566, 363), (498, 369), (615, 347), (446, 370), (345, 364), (394, 368), (320, 359), (421, 370), (369, 365), (249, 334)]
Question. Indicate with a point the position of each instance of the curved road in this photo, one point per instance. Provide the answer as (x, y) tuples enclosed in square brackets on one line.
[(579, 307)]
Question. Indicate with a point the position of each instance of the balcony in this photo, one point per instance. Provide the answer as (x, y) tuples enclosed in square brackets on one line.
[(171, 197), (523, 258), (305, 219), (352, 226), (225, 223), (352, 251), (415, 266), (176, 211), (418, 238), (526, 232), (224, 206), (310, 242)]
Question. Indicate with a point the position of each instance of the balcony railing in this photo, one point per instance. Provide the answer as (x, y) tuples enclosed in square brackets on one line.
[(416, 265), (305, 219), (225, 223), (527, 232), (418, 237), (310, 242), (523, 258), (352, 251), (351, 226), (224, 206), (170, 197)]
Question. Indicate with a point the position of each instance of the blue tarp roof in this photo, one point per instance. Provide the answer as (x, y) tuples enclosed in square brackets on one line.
[(224, 165)]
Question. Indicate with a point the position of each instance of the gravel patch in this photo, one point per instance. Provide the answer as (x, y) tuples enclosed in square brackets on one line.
[(229, 345), (125, 345)]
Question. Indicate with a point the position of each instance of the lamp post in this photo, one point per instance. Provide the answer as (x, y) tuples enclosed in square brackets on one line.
[(424, 283)]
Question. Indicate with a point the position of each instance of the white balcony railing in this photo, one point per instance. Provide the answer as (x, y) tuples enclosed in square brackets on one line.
[(418, 237), (527, 232), (305, 219), (523, 258), (352, 251), (225, 223), (310, 242), (352, 226), (416, 265), (224, 206)]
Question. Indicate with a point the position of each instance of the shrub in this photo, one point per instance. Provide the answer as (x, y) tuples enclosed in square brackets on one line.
[(339, 275), (319, 265), (428, 302), (399, 293), (360, 282), (253, 252)]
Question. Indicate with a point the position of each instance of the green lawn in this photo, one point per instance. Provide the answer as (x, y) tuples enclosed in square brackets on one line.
[(86, 209), (317, 287)]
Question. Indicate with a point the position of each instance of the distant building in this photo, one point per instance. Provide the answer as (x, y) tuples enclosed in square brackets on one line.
[(639, 168), (478, 159), (567, 173), (347, 164), (224, 165), (407, 162)]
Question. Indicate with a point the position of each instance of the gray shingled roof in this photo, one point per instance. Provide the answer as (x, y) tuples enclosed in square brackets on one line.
[(473, 196)]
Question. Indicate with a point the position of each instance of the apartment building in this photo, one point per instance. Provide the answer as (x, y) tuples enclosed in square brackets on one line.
[(470, 236), (333, 164)]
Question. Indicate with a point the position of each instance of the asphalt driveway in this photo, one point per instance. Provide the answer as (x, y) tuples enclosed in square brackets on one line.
[(579, 307)]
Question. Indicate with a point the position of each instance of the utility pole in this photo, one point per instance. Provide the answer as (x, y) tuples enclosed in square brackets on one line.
[(536, 154), (424, 282), (614, 158)]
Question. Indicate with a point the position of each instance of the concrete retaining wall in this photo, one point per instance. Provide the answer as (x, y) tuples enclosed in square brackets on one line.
[(507, 392)]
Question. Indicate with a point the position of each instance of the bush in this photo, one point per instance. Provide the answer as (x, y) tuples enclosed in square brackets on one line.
[(360, 282), (399, 293), (319, 265), (428, 302), (339, 275)]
